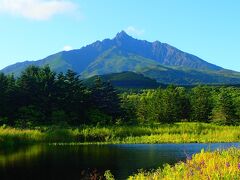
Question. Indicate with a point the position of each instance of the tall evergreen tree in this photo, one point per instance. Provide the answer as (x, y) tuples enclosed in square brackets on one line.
[(37, 89), (3, 94), (29, 86), (105, 98), (201, 104), (129, 107), (72, 96), (183, 103), (224, 110), (170, 105)]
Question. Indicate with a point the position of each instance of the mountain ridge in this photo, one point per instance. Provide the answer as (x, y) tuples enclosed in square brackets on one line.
[(125, 53)]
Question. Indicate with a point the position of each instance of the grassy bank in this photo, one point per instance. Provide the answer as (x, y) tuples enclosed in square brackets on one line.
[(221, 164), (174, 133)]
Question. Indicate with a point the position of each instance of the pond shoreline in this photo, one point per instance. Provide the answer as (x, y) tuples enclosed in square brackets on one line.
[(154, 134), (219, 164)]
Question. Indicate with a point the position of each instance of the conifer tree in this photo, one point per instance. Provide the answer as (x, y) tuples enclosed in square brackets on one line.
[(105, 98), (201, 104)]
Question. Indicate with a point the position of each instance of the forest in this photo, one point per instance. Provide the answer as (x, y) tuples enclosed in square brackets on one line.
[(40, 96)]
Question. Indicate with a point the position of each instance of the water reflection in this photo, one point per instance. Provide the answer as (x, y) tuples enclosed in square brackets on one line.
[(13, 155), (85, 161)]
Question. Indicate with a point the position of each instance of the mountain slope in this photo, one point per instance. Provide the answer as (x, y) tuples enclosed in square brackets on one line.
[(115, 60), (126, 80), (189, 76), (156, 60)]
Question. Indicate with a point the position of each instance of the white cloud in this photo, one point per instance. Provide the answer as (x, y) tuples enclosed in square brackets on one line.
[(67, 48), (36, 9), (134, 31)]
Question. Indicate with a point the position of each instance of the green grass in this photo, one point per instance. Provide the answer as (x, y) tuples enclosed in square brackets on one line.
[(12, 136), (174, 133), (220, 164)]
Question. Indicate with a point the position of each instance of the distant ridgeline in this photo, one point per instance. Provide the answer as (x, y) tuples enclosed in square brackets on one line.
[(124, 54)]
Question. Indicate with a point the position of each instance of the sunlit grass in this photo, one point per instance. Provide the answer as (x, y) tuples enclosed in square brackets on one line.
[(174, 133), (9, 136), (220, 164)]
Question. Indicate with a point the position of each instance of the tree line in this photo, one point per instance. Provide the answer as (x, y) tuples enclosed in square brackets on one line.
[(173, 104), (40, 96)]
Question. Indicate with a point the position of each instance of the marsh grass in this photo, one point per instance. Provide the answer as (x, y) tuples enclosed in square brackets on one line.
[(13, 136), (161, 133), (220, 164)]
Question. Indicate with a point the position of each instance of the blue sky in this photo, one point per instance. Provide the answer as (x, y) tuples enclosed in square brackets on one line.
[(34, 29)]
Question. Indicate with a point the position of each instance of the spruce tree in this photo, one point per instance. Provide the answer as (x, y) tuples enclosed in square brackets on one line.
[(201, 104), (105, 98)]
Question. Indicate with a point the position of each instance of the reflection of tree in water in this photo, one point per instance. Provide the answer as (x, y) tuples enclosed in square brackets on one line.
[(14, 155)]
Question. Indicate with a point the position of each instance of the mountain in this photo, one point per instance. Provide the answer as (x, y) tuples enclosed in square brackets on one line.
[(129, 80), (157, 60)]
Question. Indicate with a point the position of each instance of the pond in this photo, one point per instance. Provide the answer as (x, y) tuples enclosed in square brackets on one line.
[(83, 161)]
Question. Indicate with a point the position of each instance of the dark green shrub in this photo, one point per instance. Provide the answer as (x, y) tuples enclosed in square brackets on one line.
[(28, 116), (98, 117)]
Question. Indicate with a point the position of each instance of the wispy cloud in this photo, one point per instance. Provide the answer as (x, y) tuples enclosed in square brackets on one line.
[(67, 48), (36, 9), (134, 31)]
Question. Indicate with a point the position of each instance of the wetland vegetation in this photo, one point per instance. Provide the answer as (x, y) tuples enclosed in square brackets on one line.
[(220, 164), (151, 134)]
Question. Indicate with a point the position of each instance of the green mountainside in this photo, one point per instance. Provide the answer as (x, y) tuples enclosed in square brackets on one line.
[(127, 80), (156, 60)]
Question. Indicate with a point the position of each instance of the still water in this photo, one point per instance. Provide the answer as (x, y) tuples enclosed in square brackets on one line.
[(43, 162)]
